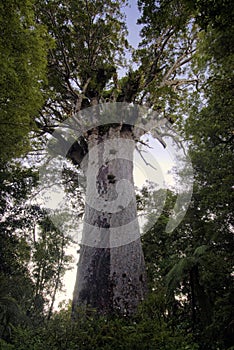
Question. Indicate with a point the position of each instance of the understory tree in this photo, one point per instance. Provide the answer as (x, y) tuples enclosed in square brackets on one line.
[(192, 268)]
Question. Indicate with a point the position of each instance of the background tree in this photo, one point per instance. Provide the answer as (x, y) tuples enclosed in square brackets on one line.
[(23, 73), (31, 267), (199, 280), (50, 261)]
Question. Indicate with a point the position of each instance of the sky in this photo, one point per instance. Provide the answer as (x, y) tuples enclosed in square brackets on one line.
[(132, 15)]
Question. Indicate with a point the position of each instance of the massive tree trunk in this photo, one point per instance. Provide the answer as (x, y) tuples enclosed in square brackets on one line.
[(111, 273)]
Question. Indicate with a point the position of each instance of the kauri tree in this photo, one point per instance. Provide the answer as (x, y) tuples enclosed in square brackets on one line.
[(90, 42)]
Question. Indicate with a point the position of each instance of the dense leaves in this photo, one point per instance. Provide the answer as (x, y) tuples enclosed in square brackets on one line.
[(23, 62), (102, 333)]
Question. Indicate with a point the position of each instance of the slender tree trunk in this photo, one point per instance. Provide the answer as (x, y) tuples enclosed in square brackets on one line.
[(57, 280), (111, 271)]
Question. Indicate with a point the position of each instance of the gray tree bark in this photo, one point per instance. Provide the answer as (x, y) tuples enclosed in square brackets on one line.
[(111, 274)]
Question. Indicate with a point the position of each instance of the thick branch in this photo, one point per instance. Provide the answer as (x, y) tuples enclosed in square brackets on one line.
[(183, 59), (161, 43), (177, 82), (81, 96)]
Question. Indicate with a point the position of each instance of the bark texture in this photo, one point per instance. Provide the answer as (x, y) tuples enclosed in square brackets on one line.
[(111, 270)]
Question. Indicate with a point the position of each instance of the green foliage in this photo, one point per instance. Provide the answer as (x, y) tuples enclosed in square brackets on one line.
[(31, 266), (190, 275), (196, 274), (90, 39), (49, 263), (16, 284), (218, 13), (5, 346), (169, 37), (22, 71), (95, 332)]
